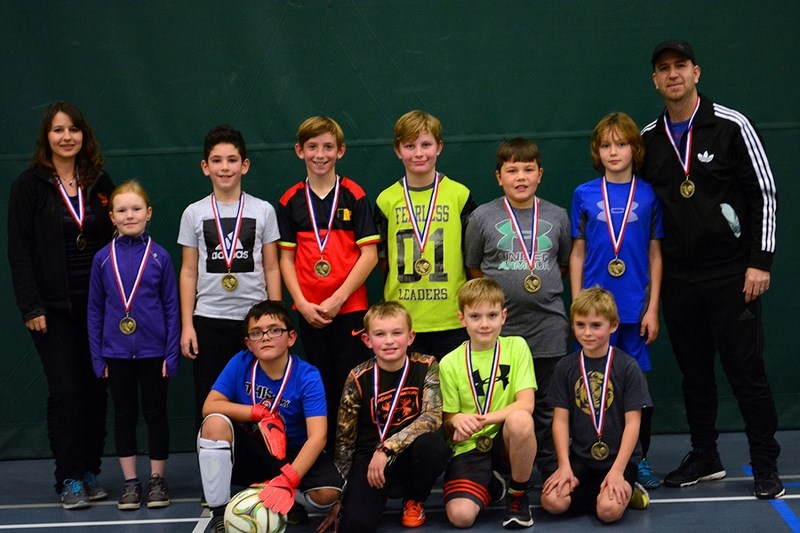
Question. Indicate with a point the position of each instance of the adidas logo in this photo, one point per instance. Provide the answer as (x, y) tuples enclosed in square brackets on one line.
[(705, 157), (746, 315)]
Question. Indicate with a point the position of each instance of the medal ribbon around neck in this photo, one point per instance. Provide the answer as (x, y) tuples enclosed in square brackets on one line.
[(284, 381), (616, 240), (421, 236), (401, 382), (684, 159), (530, 256), (228, 253), (321, 243), (598, 420), (490, 388), (77, 216), (128, 300)]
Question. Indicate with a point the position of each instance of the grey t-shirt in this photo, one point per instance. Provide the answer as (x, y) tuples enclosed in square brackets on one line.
[(198, 230), (492, 246)]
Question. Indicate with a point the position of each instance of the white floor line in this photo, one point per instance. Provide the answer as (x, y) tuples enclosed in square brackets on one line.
[(29, 527)]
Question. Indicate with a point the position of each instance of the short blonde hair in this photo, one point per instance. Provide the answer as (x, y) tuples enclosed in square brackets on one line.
[(413, 124), (595, 300), (627, 130), (387, 309), (480, 290), (318, 125)]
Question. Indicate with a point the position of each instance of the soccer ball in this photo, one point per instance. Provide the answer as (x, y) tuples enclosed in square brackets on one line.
[(245, 513)]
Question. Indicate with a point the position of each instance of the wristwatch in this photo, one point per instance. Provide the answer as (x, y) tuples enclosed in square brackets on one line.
[(385, 449)]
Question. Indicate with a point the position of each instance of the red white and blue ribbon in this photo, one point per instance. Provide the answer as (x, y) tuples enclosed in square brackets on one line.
[(401, 383), (128, 300), (284, 381), (530, 253), (684, 159), (321, 243), (616, 239), (228, 252), (421, 235), (77, 216), (483, 409), (598, 419)]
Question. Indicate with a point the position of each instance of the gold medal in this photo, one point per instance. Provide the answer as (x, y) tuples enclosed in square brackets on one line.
[(322, 268), (127, 325), (422, 267), (229, 282), (600, 451), (483, 443), (616, 267), (80, 242), (687, 188), (532, 283)]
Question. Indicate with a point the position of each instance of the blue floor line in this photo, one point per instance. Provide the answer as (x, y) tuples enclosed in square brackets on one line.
[(787, 514), (780, 506)]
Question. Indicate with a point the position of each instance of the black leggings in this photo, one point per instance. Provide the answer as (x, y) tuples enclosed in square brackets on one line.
[(126, 380)]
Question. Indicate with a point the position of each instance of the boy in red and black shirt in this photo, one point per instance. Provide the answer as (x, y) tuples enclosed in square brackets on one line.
[(328, 248)]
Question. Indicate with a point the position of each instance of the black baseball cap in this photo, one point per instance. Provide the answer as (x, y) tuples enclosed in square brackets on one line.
[(682, 47)]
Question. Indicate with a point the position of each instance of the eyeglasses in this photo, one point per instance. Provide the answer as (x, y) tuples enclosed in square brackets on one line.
[(272, 333)]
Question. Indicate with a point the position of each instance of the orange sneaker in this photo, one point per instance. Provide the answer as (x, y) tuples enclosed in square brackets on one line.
[(413, 514)]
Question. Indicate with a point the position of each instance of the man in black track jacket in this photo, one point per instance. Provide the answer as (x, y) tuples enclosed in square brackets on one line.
[(707, 164)]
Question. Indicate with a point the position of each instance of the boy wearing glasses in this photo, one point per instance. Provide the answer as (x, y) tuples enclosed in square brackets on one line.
[(271, 404)]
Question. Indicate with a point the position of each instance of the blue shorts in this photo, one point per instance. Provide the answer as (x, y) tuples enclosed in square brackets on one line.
[(627, 339)]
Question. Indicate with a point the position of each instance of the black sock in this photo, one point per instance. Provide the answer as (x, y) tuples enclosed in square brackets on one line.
[(518, 488)]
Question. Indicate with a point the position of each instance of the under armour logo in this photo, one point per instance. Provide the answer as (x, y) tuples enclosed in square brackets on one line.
[(480, 382), (705, 157)]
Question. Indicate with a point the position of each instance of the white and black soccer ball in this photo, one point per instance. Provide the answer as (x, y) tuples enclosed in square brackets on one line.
[(246, 514)]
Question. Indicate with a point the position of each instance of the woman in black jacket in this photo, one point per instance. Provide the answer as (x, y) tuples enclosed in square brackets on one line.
[(57, 220)]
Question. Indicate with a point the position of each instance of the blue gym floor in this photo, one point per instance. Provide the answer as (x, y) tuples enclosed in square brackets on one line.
[(27, 502)]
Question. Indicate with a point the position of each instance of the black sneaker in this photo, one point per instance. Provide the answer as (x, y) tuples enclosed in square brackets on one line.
[(497, 487), (518, 512), (217, 524), (131, 498), (766, 483), (157, 492), (697, 466), (297, 515)]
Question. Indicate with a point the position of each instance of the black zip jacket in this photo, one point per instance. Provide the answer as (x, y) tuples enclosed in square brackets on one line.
[(36, 238), (729, 223)]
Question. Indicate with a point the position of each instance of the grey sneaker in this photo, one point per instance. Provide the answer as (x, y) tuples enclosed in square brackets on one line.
[(73, 494), (157, 492), (94, 489), (131, 498)]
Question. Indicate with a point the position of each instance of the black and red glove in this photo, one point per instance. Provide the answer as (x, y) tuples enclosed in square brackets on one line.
[(272, 429)]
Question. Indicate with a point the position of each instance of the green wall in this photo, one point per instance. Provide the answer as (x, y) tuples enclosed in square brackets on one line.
[(153, 77)]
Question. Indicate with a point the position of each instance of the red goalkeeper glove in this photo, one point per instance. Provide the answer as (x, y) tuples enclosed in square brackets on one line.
[(278, 495), (274, 433), (259, 411)]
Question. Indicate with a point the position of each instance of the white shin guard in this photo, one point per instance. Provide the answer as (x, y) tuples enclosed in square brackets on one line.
[(216, 468)]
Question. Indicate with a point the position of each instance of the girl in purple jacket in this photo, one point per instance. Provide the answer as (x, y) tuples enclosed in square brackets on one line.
[(134, 335)]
